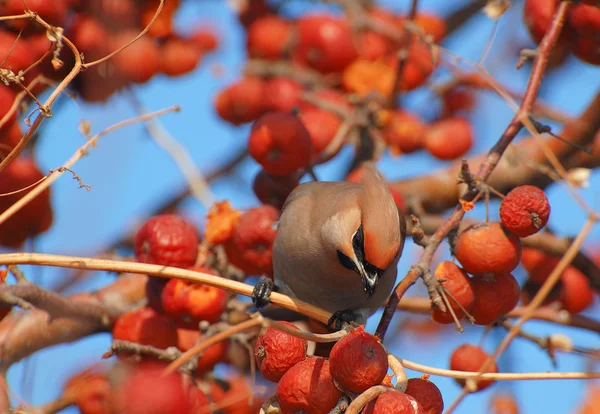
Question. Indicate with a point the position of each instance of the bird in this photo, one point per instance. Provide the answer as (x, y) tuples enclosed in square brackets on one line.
[(337, 247)]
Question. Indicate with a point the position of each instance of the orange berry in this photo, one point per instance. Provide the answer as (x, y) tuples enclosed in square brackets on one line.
[(280, 143), (449, 138), (189, 303), (471, 358), (432, 25), (90, 390), (457, 284), (525, 210), (140, 61), (204, 39), (427, 394), (211, 356), (419, 65), (495, 294), (404, 132), (487, 248), (576, 294), (179, 57), (308, 387), (358, 361), (241, 102), (277, 351)]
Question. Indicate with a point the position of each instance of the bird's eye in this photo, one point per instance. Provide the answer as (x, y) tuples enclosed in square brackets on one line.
[(346, 261)]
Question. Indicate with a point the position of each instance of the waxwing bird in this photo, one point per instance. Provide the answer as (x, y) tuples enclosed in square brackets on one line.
[(337, 247)]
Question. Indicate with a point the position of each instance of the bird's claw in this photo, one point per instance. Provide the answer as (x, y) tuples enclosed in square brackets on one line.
[(341, 319), (261, 294)]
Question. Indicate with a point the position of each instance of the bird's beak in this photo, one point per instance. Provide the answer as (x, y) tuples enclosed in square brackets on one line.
[(370, 280)]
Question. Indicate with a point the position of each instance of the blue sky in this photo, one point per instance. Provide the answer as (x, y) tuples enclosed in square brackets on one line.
[(130, 175)]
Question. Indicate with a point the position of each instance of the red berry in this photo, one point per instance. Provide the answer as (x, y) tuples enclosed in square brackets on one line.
[(525, 210), (459, 289), (146, 390), (189, 303), (539, 265), (7, 98), (405, 132), (167, 240), (487, 248), (241, 102), (457, 100), (36, 216), (427, 394), (587, 49), (471, 358), (204, 39), (308, 387), (53, 12), (268, 37), (277, 351), (251, 246), (495, 294), (145, 326), (449, 138), (15, 54), (274, 190), (418, 67), (584, 18), (281, 94), (140, 61), (322, 127), (394, 402), (280, 143), (178, 57), (211, 356), (358, 361), (576, 294), (325, 43), (90, 391), (89, 35)]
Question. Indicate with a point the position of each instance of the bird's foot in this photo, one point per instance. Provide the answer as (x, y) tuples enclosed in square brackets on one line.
[(261, 294), (341, 319)]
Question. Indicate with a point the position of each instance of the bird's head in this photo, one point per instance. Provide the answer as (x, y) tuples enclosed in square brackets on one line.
[(369, 238)]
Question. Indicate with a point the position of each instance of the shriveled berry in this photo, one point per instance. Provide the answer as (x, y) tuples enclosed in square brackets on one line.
[(274, 190), (358, 361), (576, 294), (145, 326), (308, 387), (495, 294), (167, 240), (251, 246), (280, 143), (458, 288), (449, 138), (189, 303), (427, 394), (525, 210), (487, 248), (394, 402), (471, 358), (277, 351)]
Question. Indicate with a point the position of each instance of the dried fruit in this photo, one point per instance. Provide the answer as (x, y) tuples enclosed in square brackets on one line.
[(277, 351), (358, 361), (167, 240), (220, 222), (458, 288), (525, 210), (471, 358), (487, 248), (308, 387)]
